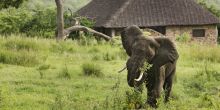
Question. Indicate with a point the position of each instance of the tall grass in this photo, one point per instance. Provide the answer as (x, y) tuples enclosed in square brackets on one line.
[(198, 52), (64, 87), (91, 69), (22, 58), (22, 51)]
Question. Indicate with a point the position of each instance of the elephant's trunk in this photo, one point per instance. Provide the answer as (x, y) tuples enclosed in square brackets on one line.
[(135, 77)]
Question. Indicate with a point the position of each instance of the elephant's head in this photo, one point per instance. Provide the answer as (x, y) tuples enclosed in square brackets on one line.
[(156, 51)]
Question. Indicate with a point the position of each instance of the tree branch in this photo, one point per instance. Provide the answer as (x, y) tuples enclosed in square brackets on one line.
[(67, 31)]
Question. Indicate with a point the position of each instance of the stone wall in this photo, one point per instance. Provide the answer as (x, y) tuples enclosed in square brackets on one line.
[(211, 33)]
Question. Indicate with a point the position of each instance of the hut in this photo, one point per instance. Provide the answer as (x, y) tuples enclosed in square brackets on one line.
[(169, 17)]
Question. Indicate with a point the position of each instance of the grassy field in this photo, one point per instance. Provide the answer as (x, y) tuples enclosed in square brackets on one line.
[(41, 74)]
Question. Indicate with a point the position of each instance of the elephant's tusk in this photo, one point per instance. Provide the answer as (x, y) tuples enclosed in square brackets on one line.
[(140, 77), (122, 69)]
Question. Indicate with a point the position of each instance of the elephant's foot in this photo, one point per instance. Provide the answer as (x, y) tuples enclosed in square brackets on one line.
[(152, 102)]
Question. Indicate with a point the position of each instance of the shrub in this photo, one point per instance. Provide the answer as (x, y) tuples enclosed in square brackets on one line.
[(183, 38), (43, 23), (12, 20), (30, 22), (87, 22), (134, 100), (90, 69)]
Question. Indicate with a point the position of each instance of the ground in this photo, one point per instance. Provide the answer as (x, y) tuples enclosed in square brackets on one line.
[(42, 74)]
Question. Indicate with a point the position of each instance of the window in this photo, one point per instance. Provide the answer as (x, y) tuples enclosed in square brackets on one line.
[(160, 29), (198, 33)]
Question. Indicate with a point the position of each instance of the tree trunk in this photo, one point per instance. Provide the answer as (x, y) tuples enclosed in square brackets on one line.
[(62, 33), (60, 20)]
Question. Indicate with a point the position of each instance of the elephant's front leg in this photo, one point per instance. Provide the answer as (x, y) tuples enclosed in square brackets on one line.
[(151, 99), (155, 85), (168, 85)]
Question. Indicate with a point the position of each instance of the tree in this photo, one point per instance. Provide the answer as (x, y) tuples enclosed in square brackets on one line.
[(60, 20), (63, 33), (213, 10), (10, 3)]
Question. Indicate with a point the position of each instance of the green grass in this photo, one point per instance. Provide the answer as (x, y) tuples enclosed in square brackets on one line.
[(42, 74)]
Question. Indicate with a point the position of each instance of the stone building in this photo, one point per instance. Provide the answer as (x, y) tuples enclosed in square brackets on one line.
[(169, 17)]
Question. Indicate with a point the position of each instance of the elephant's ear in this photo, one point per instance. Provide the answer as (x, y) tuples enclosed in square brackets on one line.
[(128, 37), (166, 52)]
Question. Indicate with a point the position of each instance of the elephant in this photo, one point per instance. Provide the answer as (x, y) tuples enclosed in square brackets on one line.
[(160, 52)]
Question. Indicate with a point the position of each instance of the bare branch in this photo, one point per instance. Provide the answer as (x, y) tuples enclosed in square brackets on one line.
[(67, 31)]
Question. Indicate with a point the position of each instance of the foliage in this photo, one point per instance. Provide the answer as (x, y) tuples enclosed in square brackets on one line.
[(145, 67), (74, 5), (213, 9), (183, 38), (134, 100), (87, 22), (10, 3), (12, 20), (33, 21), (43, 23)]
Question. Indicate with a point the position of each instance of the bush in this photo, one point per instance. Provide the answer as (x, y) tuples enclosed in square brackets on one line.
[(30, 22), (13, 20), (42, 24), (184, 38), (134, 100), (90, 69), (87, 22)]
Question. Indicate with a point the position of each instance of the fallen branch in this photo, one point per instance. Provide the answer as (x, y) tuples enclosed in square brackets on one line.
[(67, 31)]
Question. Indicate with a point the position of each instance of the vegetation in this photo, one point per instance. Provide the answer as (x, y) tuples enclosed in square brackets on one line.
[(90, 69), (184, 38), (39, 73), (44, 74), (35, 18), (214, 7), (10, 3)]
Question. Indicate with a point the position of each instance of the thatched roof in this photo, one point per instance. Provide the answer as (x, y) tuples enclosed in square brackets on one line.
[(145, 13)]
